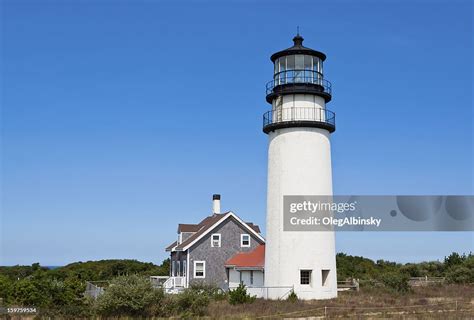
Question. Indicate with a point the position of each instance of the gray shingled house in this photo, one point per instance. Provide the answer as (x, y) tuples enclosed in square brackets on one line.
[(201, 250)]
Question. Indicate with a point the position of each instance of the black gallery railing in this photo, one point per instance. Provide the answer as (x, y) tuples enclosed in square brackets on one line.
[(297, 77), (307, 114)]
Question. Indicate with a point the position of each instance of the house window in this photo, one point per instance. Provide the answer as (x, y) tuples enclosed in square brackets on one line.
[(305, 276), (178, 268), (245, 240), (251, 276), (216, 240), (199, 269), (324, 277)]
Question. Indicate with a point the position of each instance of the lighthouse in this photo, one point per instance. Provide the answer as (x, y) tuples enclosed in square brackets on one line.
[(299, 127)]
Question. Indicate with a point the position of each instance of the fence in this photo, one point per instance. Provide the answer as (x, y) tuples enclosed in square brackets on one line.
[(158, 281), (412, 282), (93, 290), (281, 292), (460, 310), (425, 281), (347, 285)]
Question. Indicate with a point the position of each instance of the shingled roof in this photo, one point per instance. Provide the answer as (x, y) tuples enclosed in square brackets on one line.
[(183, 227), (248, 260), (254, 227), (203, 227), (171, 246)]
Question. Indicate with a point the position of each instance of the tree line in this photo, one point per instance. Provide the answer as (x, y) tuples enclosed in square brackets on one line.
[(456, 268)]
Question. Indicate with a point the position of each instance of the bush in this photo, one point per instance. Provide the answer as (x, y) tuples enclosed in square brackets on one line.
[(28, 292), (240, 295), (192, 302), (212, 291), (6, 288), (131, 296), (454, 259), (292, 297), (460, 274), (396, 282)]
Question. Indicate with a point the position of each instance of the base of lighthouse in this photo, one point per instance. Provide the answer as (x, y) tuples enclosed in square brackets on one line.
[(299, 163)]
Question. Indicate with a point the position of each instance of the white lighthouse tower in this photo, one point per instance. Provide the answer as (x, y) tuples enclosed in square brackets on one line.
[(299, 163)]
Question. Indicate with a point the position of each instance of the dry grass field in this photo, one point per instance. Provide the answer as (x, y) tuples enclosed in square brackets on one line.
[(432, 302)]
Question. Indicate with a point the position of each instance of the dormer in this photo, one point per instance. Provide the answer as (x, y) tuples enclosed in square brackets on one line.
[(185, 231)]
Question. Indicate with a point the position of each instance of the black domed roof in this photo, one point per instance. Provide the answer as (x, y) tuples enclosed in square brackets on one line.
[(298, 48)]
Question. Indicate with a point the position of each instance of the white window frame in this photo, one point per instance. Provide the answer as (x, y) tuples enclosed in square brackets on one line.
[(203, 270), (242, 240), (212, 240)]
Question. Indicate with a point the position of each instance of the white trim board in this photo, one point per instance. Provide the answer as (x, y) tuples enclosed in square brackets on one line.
[(203, 269), (242, 245)]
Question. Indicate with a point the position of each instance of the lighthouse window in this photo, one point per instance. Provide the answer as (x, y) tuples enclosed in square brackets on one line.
[(290, 62), (308, 67), (282, 64), (281, 68), (308, 62), (305, 276), (324, 277), (244, 240), (299, 61), (318, 65), (299, 67)]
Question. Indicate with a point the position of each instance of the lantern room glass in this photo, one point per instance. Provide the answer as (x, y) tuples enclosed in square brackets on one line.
[(298, 68)]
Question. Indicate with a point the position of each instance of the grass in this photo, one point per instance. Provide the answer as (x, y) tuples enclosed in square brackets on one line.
[(431, 302)]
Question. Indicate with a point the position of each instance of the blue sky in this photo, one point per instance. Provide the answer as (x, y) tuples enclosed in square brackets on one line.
[(121, 119)]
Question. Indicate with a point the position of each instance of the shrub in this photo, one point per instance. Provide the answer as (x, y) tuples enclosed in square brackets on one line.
[(412, 270), (212, 291), (454, 259), (292, 297), (239, 295), (28, 292), (131, 296), (6, 288), (192, 302), (460, 274), (396, 282)]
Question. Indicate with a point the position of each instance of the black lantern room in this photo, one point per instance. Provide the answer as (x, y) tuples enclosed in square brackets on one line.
[(298, 70)]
